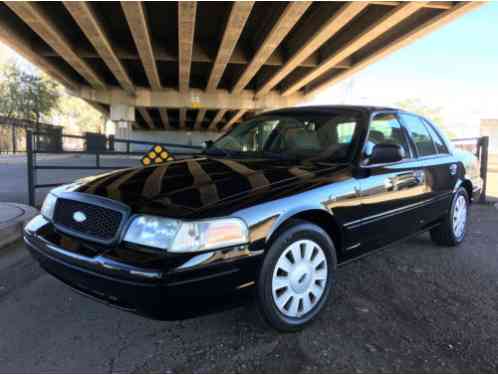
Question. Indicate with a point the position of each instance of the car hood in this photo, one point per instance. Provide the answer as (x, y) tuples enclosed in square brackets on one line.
[(183, 188)]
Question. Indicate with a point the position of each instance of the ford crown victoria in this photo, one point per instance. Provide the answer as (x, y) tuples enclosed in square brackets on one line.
[(267, 211)]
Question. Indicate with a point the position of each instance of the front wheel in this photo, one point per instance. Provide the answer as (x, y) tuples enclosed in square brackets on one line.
[(296, 277), (451, 232)]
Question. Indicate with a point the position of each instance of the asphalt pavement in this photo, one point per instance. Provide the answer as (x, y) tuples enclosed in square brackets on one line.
[(415, 307)]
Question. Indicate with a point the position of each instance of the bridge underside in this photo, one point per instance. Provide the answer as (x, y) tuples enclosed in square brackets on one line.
[(208, 65)]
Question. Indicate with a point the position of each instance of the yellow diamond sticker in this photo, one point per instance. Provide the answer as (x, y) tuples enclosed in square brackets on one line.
[(156, 155)]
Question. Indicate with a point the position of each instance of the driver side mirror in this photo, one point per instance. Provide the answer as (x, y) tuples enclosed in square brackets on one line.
[(386, 153), (208, 144)]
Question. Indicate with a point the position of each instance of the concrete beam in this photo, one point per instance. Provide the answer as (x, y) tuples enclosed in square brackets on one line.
[(236, 118), (236, 21), (186, 29), (431, 4), (415, 34), (163, 112), (84, 15), (183, 118), (137, 22), (213, 125), (289, 17), (34, 16), (21, 45), (193, 98), (199, 55), (145, 115), (341, 18), (199, 119), (388, 21)]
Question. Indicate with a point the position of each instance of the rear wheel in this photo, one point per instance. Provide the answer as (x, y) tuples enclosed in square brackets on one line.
[(452, 230), (297, 276)]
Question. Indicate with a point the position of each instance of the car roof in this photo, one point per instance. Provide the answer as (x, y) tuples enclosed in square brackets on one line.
[(322, 108)]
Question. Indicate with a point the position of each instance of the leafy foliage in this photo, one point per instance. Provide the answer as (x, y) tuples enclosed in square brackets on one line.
[(26, 95)]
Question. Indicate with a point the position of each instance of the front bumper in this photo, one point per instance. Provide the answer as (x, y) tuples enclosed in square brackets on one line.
[(160, 293)]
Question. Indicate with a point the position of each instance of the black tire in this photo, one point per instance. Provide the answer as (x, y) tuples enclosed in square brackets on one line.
[(295, 231), (444, 234)]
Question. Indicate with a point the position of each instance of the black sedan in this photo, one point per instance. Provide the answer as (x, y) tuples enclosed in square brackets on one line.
[(268, 211)]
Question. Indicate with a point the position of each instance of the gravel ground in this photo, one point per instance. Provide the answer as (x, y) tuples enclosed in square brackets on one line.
[(412, 308)]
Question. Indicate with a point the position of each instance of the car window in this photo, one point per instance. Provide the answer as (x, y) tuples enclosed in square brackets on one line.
[(307, 136), (419, 134), (254, 140), (345, 132), (438, 141), (386, 129)]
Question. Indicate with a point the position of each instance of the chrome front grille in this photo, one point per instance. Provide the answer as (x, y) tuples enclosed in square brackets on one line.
[(89, 221)]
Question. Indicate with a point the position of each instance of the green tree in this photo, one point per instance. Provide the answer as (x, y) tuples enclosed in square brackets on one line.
[(26, 95), (77, 116)]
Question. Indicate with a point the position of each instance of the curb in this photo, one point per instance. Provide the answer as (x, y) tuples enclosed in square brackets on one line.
[(11, 229)]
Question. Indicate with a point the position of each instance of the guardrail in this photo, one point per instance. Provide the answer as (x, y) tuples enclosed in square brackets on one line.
[(110, 147), (479, 146)]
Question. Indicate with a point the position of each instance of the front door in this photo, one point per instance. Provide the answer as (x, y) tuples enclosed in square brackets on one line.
[(390, 193)]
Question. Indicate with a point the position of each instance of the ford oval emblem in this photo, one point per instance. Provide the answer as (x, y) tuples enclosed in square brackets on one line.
[(79, 217)]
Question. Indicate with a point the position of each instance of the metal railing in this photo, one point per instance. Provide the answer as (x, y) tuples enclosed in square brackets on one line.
[(111, 147), (13, 133), (114, 147), (479, 146)]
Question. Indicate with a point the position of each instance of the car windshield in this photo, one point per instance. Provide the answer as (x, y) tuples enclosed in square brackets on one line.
[(325, 137)]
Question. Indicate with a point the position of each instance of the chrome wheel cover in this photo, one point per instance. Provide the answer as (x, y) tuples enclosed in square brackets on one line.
[(299, 278), (459, 216)]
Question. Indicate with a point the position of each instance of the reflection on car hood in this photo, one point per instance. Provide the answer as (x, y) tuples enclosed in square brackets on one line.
[(182, 188)]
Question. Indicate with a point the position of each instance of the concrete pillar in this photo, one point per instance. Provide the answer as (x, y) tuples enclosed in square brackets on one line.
[(123, 116)]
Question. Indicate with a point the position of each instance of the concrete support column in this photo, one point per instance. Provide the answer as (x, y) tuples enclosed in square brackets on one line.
[(123, 116)]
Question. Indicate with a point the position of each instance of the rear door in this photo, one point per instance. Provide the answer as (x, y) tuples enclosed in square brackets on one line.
[(440, 167)]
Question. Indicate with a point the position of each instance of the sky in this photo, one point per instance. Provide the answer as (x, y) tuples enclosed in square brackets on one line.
[(455, 68)]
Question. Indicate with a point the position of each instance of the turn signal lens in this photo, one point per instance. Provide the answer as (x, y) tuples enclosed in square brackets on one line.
[(48, 206)]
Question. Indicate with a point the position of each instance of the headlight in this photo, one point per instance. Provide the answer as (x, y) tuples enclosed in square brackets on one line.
[(152, 231), (48, 206), (181, 237)]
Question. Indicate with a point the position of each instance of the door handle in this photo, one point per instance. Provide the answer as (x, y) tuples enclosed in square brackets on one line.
[(453, 169), (404, 180), (419, 176)]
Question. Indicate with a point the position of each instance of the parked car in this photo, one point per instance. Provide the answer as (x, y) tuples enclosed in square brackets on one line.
[(268, 210)]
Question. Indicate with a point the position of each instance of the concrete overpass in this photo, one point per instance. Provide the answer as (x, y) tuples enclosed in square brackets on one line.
[(208, 65)]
